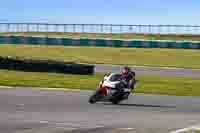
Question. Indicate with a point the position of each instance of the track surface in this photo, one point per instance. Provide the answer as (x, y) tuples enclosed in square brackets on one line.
[(151, 70), (24, 110)]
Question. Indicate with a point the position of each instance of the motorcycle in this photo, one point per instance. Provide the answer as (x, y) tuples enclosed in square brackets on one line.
[(107, 90)]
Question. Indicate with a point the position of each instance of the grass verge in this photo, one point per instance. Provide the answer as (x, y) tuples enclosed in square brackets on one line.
[(186, 58), (192, 132), (108, 35), (181, 86)]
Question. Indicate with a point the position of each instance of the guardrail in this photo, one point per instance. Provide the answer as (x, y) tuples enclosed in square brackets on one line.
[(99, 42)]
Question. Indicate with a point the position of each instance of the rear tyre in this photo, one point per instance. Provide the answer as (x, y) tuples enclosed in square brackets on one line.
[(117, 98), (126, 95), (115, 102)]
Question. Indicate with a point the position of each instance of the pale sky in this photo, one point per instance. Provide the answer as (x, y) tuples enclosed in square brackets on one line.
[(102, 11)]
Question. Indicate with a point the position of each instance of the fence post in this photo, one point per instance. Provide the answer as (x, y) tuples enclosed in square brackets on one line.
[(159, 29), (65, 28), (47, 27), (38, 28), (27, 27), (56, 28), (120, 26), (111, 28), (83, 28), (140, 28), (74, 28), (17, 25), (169, 29), (188, 29), (120, 34), (8, 27), (149, 27), (101, 28)]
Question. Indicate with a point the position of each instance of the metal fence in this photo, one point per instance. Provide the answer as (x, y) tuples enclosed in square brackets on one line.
[(99, 28)]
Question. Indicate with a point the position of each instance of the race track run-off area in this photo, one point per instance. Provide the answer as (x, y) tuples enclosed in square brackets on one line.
[(26, 110)]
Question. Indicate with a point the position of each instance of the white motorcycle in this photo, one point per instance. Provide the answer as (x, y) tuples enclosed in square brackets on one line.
[(107, 90)]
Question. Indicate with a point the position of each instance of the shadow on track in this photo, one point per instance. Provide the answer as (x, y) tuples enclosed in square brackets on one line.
[(140, 105)]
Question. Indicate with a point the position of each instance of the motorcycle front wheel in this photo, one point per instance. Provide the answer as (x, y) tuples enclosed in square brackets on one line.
[(95, 97)]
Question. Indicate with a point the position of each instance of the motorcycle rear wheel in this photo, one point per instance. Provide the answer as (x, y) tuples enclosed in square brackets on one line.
[(116, 98), (115, 101)]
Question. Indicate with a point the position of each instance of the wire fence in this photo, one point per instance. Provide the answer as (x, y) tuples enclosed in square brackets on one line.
[(99, 28)]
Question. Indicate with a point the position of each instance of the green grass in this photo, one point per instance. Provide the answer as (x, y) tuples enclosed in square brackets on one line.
[(192, 132), (114, 36), (186, 58), (182, 86)]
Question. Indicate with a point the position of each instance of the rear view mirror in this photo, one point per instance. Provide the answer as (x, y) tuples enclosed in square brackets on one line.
[(107, 74)]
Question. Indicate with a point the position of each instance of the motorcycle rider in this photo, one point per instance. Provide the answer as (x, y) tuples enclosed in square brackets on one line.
[(127, 81), (128, 76)]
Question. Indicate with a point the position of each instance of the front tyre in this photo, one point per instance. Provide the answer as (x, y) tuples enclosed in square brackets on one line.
[(95, 97), (92, 100)]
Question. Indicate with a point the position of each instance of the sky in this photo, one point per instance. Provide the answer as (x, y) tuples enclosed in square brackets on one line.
[(102, 11)]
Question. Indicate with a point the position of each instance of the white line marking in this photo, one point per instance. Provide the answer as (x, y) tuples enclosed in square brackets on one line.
[(127, 128), (21, 105), (43, 122), (6, 87), (99, 126)]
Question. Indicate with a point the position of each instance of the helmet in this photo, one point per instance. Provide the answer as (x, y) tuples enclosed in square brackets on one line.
[(125, 70)]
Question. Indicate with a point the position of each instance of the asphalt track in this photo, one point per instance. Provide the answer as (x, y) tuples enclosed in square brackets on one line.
[(26, 110), (151, 70)]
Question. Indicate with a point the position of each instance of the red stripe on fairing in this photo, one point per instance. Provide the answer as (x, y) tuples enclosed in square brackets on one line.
[(104, 89)]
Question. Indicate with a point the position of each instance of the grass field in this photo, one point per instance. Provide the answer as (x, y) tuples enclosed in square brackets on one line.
[(148, 84), (114, 36), (186, 58)]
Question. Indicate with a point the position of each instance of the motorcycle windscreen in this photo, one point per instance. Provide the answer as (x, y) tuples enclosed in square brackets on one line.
[(115, 77)]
